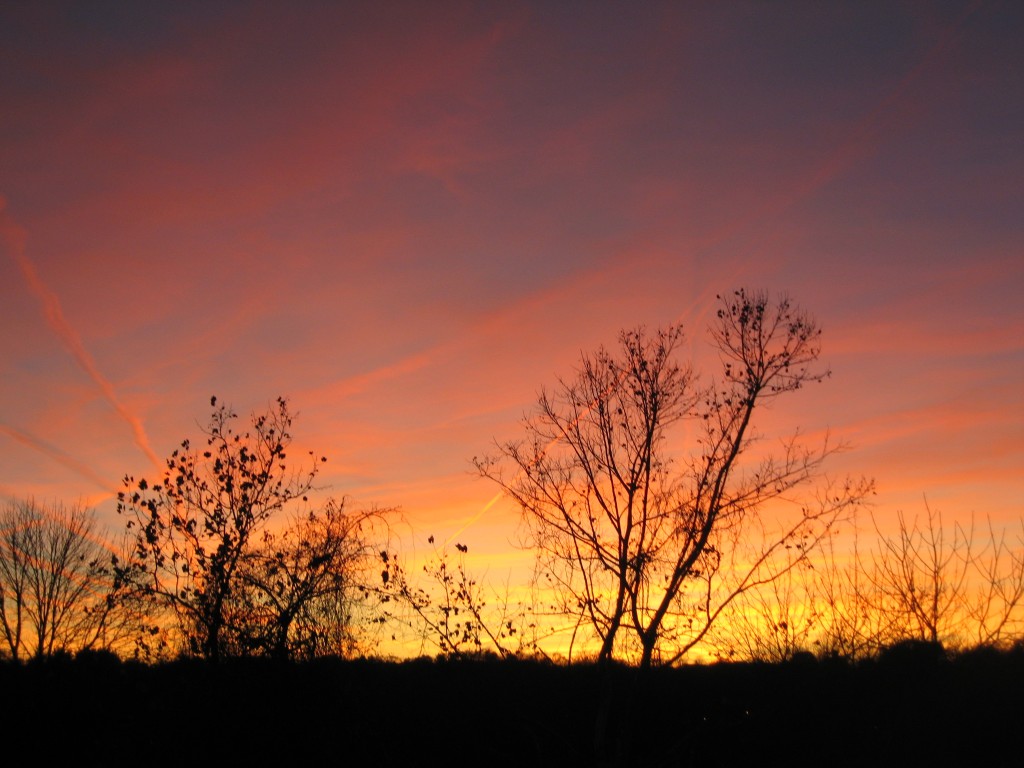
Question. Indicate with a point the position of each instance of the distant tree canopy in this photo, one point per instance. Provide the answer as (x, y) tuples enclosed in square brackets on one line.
[(205, 554)]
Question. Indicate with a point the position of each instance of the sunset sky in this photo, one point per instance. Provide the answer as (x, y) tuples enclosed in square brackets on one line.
[(407, 218)]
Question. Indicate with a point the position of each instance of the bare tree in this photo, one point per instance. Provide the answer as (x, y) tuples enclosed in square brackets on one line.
[(636, 544), (56, 588), (920, 578), (851, 625), (14, 577), (448, 609), (943, 585), (995, 606), (776, 620)]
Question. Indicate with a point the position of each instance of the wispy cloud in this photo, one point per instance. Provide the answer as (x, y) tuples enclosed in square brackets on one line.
[(14, 237), (58, 456)]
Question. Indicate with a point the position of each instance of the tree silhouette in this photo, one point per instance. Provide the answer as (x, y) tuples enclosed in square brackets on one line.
[(448, 610), (776, 621), (645, 548), (958, 586), (198, 548), (300, 592), (56, 588)]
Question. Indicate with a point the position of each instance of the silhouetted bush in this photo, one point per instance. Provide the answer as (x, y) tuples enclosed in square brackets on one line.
[(98, 657), (913, 653)]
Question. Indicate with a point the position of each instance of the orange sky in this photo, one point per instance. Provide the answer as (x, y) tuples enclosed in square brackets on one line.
[(409, 217)]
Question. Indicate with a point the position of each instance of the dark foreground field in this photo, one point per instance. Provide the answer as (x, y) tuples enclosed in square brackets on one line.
[(906, 710)]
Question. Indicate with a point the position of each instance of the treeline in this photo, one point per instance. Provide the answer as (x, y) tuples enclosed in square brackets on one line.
[(646, 552), (908, 706)]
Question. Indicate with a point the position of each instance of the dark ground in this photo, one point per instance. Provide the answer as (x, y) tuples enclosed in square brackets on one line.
[(906, 709)]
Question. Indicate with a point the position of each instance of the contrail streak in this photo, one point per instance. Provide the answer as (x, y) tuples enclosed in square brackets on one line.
[(15, 239), (57, 455), (478, 515)]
